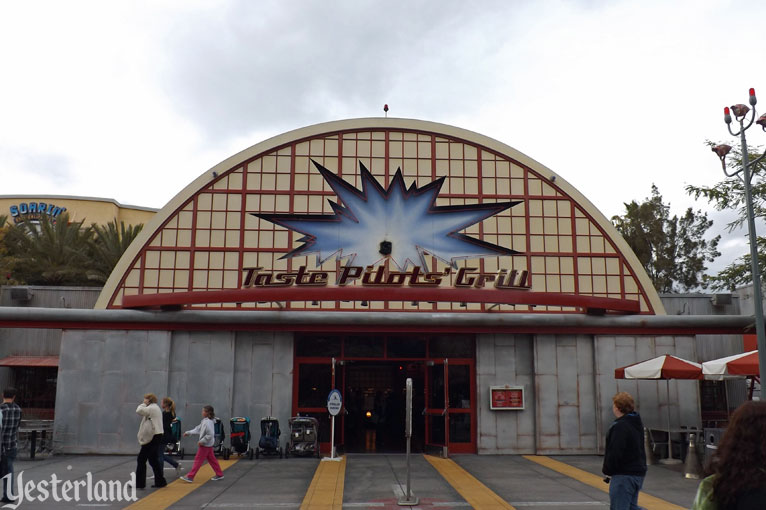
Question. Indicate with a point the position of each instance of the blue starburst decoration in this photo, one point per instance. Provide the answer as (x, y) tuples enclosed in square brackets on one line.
[(399, 223)]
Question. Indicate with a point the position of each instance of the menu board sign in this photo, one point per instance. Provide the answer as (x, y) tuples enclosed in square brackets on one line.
[(506, 398)]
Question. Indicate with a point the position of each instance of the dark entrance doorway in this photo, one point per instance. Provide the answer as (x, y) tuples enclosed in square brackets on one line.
[(375, 400), (371, 372)]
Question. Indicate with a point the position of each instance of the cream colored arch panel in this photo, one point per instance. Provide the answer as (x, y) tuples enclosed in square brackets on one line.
[(169, 254)]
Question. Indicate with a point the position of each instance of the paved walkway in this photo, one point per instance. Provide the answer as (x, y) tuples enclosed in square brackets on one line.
[(356, 481)]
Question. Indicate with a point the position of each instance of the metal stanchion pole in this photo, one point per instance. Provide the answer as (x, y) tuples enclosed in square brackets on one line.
[(408, 499)]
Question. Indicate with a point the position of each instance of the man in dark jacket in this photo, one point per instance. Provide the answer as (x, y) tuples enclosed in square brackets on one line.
[(625, 458), (11, 413)]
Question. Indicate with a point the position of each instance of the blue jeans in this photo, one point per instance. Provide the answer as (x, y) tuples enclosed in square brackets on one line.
[(623, 492), (6, 468), (164, 458)]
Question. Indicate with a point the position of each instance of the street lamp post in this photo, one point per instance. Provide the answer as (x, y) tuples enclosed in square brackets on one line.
[(745, 174)]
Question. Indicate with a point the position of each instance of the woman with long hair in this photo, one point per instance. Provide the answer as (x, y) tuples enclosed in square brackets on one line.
[(168, 417), (737, 471)]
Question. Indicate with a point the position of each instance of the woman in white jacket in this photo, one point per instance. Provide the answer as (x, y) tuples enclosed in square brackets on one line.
[(150, 434), (206, 431)]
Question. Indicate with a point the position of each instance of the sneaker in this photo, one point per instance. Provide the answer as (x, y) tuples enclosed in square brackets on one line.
[(178, 469), (186, 479), (217, 478)]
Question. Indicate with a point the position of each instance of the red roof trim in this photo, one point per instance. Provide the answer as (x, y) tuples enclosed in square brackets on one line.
[(274, 294), (30, 361)]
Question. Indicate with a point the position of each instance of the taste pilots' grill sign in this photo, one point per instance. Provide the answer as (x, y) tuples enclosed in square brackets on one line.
[(376, 229), (34, 211), (380, 277)]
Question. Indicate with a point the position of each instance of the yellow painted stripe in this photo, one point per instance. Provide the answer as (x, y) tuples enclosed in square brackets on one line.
[(478, 495), (326, 489), (161, 499), (647, 501)]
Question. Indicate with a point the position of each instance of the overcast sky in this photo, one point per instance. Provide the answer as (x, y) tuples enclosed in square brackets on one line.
[(134, 100)]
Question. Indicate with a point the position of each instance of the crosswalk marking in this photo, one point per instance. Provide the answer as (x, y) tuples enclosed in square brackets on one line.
[(162, 499)]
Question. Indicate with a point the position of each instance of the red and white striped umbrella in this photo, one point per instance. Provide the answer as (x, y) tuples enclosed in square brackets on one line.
[(745, 364), (661, 367)]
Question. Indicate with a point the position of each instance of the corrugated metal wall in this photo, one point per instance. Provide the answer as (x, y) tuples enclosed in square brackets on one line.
[(38, 342), (707, 346), (715, 346), (49, 297)]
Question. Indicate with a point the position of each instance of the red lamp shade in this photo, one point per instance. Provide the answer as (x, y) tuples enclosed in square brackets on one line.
[(721, 150), (740, 110)]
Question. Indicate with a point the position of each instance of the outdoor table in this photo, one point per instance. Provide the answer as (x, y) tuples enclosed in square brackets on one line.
[(32, 427), (685, 431)]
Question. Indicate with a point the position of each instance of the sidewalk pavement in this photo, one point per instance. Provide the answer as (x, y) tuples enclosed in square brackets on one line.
[(357, 481)]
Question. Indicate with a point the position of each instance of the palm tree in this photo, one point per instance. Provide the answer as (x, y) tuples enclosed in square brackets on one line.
[(50, 252), (6, 261), (108, 245)]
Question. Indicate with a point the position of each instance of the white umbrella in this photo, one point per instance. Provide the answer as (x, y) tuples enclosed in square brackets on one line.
[(745, 364), (662, 367)]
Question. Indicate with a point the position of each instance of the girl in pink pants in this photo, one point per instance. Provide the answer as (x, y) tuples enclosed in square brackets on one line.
[(206, 431)]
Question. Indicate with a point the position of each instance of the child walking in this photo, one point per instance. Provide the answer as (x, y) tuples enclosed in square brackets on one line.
[(206, 431)]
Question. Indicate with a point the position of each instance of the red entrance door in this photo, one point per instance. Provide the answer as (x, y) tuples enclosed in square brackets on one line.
[(450, 416), (370, 371), (436, 411)]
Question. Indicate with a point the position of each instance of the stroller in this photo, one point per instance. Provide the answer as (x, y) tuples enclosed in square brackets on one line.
[(269, 442), (220, 435), (174, 448), (240, 437), (304, 436)]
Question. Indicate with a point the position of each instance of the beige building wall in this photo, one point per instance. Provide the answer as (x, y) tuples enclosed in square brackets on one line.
[(88, 209)]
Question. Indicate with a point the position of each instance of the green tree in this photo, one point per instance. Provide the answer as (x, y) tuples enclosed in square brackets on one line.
[(672, 250), (730, 194), (6, 261), (50, 252), (107, 246)]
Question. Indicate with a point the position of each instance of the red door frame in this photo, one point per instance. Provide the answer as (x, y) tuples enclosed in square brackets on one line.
[(469, 447)]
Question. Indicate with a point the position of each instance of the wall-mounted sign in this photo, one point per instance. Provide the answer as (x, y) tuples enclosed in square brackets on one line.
[(506, 398), (34, 211), (381, 276), (334, 402)]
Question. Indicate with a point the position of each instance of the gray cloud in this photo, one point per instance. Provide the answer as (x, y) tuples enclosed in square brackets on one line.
[(56, 168), (257, 64)]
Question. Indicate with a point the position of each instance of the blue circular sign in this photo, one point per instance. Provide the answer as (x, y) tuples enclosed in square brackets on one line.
[(334, 402)]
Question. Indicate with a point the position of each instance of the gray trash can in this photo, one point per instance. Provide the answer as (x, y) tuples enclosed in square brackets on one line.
[(712, 438)]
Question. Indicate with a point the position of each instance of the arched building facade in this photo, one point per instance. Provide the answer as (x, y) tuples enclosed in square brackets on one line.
[(357, 254)]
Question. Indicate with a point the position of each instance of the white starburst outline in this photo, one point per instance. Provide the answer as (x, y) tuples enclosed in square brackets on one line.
[(405, 217)]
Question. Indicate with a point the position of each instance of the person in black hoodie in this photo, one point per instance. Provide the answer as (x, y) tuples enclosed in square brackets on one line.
[(624, 458)]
